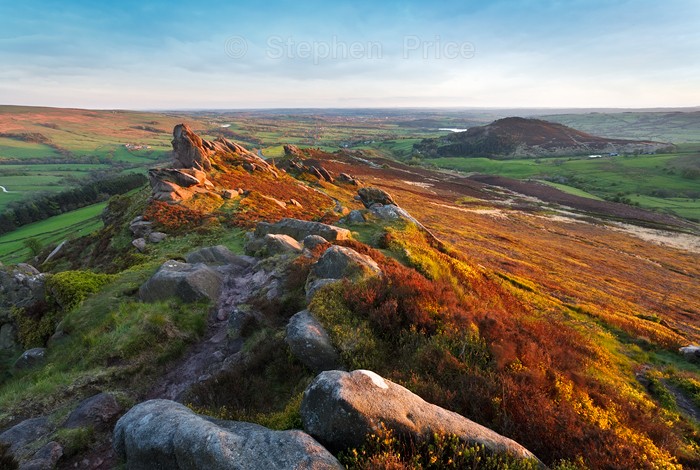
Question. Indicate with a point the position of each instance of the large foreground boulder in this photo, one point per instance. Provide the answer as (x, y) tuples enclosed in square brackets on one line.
[(341, 408), (189, 282), (162, 434), (300, 229), (309, 342)]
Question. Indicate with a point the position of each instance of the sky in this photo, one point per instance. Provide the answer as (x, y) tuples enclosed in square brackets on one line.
[(293, 54)]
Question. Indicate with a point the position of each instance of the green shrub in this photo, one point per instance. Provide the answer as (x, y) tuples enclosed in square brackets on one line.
[(69, 288), (36, 324), (65, 291)]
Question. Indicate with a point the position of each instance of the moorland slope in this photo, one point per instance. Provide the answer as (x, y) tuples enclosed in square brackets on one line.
[(552, 325)]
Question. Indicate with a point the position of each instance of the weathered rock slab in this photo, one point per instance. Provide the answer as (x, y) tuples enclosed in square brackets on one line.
[(273, 244), (161, 434), (299, 229), (310, 343), (341, 408), (189, 282), (218, 255), (98, 411), (339, 262)]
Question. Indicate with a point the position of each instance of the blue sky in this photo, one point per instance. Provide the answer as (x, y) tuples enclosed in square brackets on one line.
[(242, 54)]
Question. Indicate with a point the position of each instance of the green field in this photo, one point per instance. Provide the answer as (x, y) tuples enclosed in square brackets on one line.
[(16, 149), (675, 127), (667, 183), (50, 231), (571, 190), (81, 142)]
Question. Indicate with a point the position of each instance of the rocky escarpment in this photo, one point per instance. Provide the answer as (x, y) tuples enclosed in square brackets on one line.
[(194, 159)]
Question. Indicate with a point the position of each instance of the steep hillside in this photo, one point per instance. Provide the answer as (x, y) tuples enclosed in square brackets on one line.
[(516, 137), (551, 320)]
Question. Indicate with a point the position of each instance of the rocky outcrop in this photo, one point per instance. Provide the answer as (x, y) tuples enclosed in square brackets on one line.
[(298, 165), (174, 185), (189, 282), (309, 342), (293, 151), (193, 160), (341, 408), (21, 286), (166, 435), (336, 263), (370, 196), (300, 229), (345, 178), (189, 149), (140, 227)]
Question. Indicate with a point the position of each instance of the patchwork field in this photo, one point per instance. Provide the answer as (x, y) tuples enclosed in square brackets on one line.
[(50, 150)]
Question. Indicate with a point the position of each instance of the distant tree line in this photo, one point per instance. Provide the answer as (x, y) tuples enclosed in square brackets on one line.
[(47, 205)]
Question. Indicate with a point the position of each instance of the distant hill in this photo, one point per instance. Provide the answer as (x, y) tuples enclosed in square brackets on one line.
[(667, 126), (516, 137)]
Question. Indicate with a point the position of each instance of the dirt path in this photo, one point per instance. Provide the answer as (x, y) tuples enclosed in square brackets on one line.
[(685, 404), (216, 351)]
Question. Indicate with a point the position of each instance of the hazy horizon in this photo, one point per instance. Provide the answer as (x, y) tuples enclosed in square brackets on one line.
[(510, 54)]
